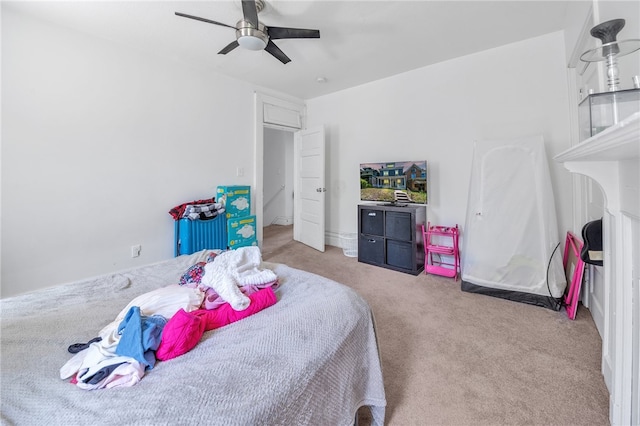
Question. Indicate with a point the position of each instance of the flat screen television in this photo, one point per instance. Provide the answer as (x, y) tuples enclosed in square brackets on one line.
[(394, 182)]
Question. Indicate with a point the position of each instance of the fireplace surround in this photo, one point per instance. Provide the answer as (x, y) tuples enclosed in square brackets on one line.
[(612, 159)]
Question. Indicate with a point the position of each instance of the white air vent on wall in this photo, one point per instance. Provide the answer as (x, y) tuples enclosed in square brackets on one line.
[(275, 114)]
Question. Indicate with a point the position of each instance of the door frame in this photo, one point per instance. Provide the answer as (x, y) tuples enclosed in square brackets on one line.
[(291, 109)]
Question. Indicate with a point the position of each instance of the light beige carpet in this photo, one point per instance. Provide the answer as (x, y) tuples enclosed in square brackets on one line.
[(456, 358)]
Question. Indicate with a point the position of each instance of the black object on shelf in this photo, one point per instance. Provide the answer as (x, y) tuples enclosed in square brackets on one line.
[(592, 249)]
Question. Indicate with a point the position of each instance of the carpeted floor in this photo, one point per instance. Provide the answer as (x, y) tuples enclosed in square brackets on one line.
[(456, 358)]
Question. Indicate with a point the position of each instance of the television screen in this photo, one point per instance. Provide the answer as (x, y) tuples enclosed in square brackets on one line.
[(394, 182)]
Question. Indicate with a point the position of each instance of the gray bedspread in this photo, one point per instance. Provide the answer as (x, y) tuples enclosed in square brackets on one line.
[(311, 358)]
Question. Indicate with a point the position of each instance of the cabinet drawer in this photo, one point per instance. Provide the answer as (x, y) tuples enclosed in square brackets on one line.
[(398, 226), (371, 249), (400, 254), (372, 222)]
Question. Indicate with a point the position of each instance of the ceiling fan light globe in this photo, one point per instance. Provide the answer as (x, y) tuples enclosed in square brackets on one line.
[(252, 43)]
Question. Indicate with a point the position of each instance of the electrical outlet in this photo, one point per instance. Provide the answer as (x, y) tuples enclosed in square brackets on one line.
[(240, 171), (135, 250)]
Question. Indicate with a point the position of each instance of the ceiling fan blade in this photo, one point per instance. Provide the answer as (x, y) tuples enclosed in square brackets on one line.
[(275, 51), (250, 12), (279, 33), (229, 48), (197, 18)]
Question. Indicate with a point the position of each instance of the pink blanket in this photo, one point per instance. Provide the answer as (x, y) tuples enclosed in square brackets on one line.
[(185, 329)]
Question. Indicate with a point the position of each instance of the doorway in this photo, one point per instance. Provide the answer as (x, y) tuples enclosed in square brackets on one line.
[(271, 113), (278, 188), (277, 177), (308, 168)]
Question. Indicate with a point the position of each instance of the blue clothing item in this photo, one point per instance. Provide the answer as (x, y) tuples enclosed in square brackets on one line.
[(140, 336)]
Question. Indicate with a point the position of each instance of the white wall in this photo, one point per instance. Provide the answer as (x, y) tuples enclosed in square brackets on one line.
[(98, 143), (436, 113)]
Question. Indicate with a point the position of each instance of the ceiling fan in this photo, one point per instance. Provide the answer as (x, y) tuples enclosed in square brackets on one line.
[(253, 35)]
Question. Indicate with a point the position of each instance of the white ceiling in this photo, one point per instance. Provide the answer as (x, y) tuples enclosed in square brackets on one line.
[(361, 41)]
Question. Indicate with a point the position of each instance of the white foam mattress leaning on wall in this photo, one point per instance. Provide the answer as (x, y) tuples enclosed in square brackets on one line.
[(511, 232)]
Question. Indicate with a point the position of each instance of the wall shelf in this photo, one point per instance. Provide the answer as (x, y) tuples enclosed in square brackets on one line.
[(619, 142)]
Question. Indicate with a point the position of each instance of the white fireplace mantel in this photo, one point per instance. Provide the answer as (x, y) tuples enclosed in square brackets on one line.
[(601, 156), (612, 159)]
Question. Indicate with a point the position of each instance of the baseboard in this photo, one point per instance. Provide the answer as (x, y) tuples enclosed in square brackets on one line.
[(282, 220), (332, 239)]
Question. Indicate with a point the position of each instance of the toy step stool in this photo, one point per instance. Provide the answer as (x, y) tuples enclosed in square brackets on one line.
[(441, 252)]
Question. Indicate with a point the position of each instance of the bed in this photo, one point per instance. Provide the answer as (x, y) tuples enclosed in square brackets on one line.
[(311, 358)]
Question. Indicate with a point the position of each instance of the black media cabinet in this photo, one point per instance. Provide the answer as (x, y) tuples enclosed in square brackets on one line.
[(390, 236)]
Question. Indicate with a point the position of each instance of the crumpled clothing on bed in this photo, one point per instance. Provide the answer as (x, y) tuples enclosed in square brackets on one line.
[(234, 268), (140, 336), (185, 329), (212, 300), (164, 301)]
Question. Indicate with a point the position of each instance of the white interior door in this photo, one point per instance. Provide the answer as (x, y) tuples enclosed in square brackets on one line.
[(309, 184)]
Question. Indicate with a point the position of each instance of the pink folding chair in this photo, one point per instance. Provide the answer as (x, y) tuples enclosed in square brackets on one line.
[(441, 252), (574, 270)]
